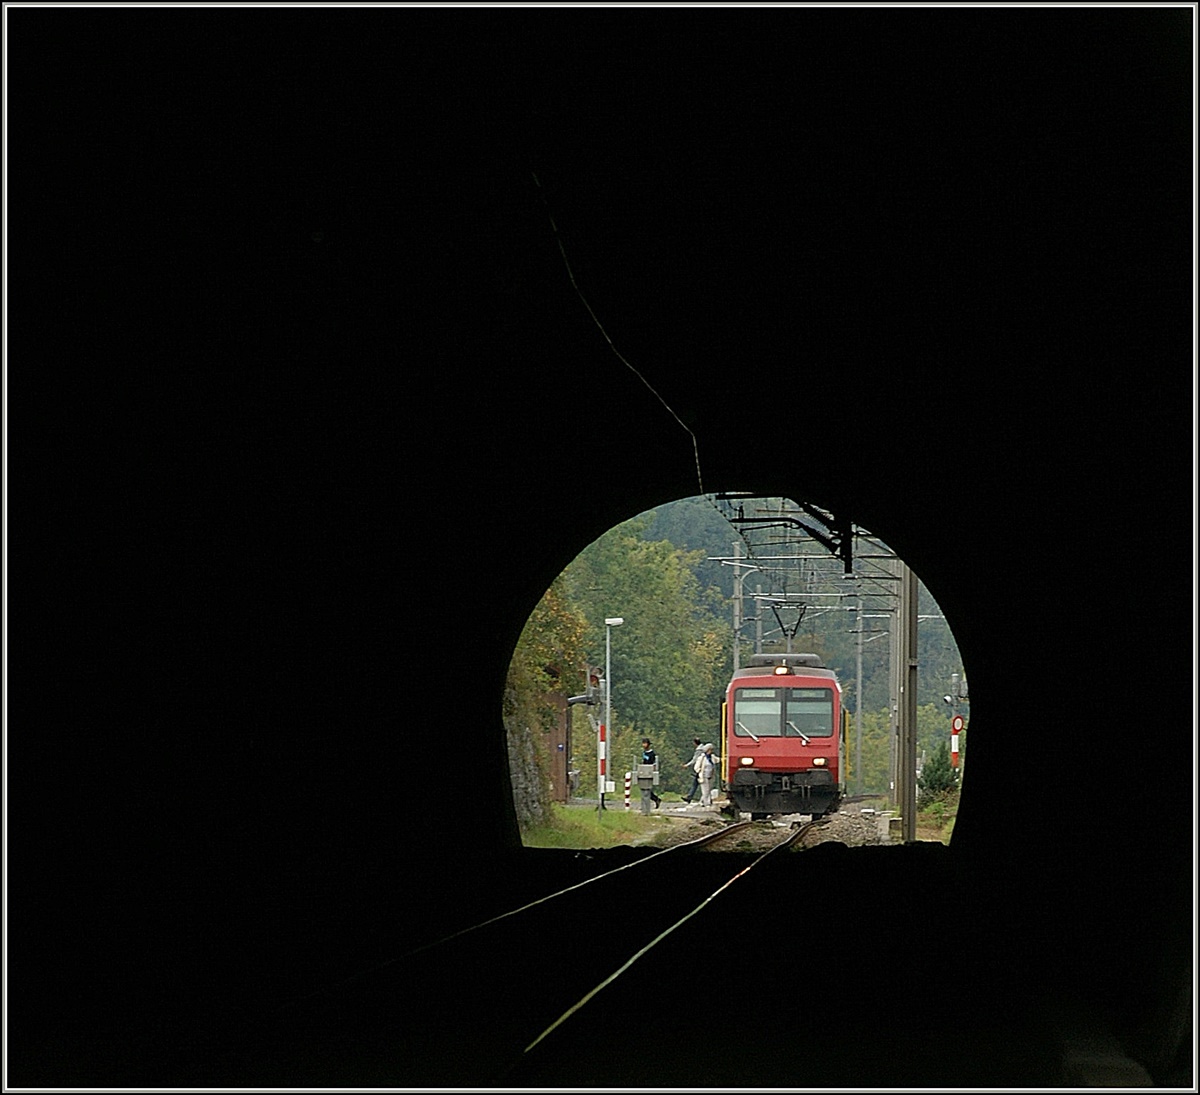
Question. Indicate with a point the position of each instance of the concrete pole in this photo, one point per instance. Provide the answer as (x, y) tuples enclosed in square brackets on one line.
[(858, 735), (603, 746), (907, 735), (737, 603), (894, 791)]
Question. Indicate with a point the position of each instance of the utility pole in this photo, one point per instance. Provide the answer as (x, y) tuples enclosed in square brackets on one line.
[(739, 600), (737, 603), (858, 736), (602, 745), (894, 792), (906, 728), (592, 695), (893, 720)]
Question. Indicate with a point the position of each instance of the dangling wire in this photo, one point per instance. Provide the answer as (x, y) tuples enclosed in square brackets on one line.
[(620, 357)]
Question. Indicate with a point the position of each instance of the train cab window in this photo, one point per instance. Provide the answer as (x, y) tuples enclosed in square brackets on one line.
[(783, 712), (809, 711), (757, 713)]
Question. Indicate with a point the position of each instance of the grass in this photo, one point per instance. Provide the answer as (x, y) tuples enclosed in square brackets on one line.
[(935, 819), (582, 827)]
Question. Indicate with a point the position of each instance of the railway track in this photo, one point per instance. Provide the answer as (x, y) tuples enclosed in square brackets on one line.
[(599, 933), (751, 837)]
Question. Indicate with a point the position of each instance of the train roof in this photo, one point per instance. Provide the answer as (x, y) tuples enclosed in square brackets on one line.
[(764, 665)]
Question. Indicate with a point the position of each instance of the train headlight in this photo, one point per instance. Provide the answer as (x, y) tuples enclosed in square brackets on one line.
[(782, 670), (746, 760), (818, 762)]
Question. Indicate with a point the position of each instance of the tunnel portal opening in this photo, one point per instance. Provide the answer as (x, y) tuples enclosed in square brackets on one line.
[(654, 631)]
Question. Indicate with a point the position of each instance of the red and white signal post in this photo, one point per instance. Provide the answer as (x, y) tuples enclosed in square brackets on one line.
[(956, 725)]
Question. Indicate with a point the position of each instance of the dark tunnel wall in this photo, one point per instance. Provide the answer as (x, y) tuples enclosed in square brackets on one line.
[(306, 415)]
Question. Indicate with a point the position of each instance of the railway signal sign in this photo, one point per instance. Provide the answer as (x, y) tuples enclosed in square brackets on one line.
[(956, 725)]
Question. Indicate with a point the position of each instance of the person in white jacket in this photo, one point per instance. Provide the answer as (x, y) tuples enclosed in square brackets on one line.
[(697, 753), (706, 771)]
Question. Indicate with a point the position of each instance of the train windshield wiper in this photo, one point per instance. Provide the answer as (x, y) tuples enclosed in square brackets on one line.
[(799, 731), (747, 729)]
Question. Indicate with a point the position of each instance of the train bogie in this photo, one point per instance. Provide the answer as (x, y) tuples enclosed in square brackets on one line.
[(783, 792)]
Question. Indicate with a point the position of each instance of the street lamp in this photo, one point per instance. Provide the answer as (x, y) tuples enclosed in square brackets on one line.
[(602, 744)]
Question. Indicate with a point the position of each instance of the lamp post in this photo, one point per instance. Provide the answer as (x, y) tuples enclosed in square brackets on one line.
[(602, 744)]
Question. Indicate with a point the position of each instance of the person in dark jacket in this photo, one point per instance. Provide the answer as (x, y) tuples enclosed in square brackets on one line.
[(649, 756)]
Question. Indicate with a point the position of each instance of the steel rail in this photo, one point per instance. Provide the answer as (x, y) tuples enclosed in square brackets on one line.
[(582, 1001), (379, 966)]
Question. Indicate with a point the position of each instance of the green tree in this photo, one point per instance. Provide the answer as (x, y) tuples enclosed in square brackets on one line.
[(876, 753), (695, 524), (670, 659)]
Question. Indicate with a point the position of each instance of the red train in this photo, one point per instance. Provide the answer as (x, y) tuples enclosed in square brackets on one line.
[(783, 737)]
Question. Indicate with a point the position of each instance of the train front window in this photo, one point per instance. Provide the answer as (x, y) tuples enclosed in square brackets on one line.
[(809, 712), (756, 712), (783, 712)]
